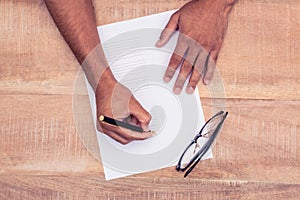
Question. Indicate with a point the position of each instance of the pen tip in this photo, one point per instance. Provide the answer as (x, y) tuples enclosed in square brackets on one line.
[(153, 132)]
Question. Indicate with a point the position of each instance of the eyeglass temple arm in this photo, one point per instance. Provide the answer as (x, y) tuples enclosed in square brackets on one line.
[(201, 154), (178, 168)]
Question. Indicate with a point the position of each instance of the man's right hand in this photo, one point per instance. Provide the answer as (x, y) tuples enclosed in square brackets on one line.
[(116, 101), (112, 99)]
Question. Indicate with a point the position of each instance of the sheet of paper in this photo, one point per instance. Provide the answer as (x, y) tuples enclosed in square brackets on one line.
[(135, 61)]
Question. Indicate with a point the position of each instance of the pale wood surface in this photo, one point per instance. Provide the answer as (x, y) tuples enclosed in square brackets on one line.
[(258, 153)]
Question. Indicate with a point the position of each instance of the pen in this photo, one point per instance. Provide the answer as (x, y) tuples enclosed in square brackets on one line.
[(116, 122)]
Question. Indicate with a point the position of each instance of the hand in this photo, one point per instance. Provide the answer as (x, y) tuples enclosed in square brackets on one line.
[(116, 101), (202, 26)]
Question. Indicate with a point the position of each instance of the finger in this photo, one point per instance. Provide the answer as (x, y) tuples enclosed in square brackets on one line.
[(194, 80), (112, 134), (197, 72), (201, 62), (175, 60), (185, 70), (211, 65), (116, 137), (99, 127), (169, 30), (126, 133), (173, 65), (138, 112)]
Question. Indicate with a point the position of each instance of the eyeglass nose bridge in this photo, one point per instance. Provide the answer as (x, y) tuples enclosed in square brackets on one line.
[(196, 146)]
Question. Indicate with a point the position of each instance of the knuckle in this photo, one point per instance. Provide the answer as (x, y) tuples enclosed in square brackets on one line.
[(146, 119), (175, 60), (190, 59), (170, 71), (194, 83), (181, 77), (186, 67), (179, 84), (180, 81)]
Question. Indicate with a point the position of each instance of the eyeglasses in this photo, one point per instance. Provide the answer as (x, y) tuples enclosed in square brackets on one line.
[(194, 151)]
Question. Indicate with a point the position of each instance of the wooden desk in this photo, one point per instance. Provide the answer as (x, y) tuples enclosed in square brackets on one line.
[(257, 156)]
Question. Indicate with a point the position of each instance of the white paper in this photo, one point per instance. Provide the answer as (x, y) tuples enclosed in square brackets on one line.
[(141, 67)]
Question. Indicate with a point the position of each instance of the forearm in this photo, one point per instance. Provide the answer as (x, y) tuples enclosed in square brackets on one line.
[(76, 21)]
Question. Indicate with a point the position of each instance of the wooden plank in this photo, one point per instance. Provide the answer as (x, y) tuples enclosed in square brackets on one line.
[(256, 156), (258, 60), (38, 136), (87, 186), (260, 140)]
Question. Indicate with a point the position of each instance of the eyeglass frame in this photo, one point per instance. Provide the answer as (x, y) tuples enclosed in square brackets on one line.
[(197, 157)]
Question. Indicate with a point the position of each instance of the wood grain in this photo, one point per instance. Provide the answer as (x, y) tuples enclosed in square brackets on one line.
[(258, 60), (87, 186), (256, 157), (47, 139)]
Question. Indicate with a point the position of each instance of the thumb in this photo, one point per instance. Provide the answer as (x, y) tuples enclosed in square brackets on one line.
[(136, 109), (169, 30)]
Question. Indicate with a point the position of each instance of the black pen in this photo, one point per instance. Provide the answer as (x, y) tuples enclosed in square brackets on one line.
[(116, 122)]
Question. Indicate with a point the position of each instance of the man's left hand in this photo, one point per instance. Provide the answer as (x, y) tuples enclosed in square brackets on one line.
[(202, 26)]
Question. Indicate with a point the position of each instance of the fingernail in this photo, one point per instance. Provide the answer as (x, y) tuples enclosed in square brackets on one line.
[(167, 79), (190, 90), (177, 90), (206, 81)]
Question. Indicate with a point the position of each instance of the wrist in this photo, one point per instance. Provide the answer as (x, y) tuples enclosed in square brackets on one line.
[(225, 6), (106, 80), (229, 5), (217, 6), (96, 67)]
